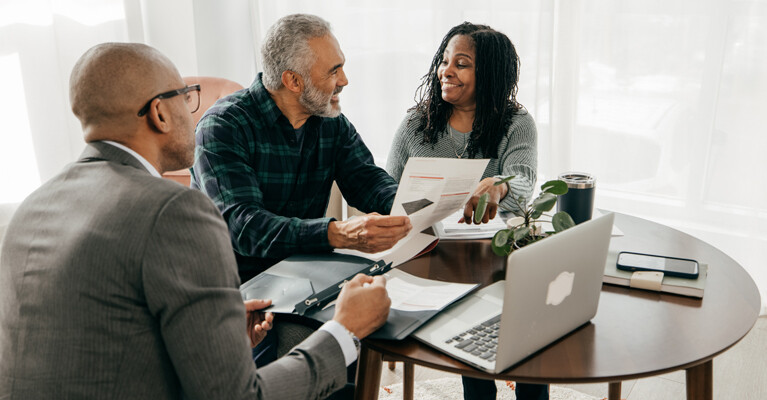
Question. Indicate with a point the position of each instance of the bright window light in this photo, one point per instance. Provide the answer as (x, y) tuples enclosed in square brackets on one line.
[(17, 156), (90, 12), (41, 12), (31, 12)]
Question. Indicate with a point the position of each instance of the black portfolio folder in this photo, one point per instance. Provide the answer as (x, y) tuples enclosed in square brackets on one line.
[(298, 277)]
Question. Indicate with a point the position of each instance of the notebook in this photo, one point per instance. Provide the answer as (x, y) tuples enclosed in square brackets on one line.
[(551, 288)]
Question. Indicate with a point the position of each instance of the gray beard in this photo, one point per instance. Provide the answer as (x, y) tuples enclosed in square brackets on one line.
[(317, 103)]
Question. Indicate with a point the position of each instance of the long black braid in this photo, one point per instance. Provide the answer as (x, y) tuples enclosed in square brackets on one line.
[(496, 73)]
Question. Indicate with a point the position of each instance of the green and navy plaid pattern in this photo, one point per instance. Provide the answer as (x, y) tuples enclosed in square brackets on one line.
[(273, 192)]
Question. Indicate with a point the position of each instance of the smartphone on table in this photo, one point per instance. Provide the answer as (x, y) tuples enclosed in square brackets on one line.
[(670, 266)]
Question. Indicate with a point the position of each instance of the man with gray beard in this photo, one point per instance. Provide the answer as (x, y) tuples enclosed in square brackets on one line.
[(268, 155)]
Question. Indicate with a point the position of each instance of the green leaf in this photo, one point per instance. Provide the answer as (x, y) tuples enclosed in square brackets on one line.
[(562, 221), (556, 187), (502, 251), (515, 222), (520, 233), (500, 243), (481, 207), (544, 202), (535, 214), (501, 237), (504, 180)]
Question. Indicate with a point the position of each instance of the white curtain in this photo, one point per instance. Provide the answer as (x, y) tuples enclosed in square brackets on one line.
[(663, 101), (39, 43)]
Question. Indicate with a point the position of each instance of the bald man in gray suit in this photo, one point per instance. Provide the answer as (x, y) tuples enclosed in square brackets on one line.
[(115, 283)]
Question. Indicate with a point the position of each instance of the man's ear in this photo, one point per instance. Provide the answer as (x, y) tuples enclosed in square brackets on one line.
[(292, 81), (159, 116)]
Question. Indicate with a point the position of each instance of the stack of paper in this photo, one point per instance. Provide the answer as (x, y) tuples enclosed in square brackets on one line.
[(449, 228)]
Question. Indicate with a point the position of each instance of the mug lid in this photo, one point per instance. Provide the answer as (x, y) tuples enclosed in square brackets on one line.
[(578, 180)]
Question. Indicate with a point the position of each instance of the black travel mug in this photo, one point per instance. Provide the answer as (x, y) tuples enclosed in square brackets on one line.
[(579, 199)]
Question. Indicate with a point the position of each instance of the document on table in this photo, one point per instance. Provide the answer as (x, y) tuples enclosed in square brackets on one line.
[(411, 293), (449, 228)]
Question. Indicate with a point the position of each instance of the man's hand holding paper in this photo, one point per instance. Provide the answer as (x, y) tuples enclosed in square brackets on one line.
[(370, 233), (430, 189)]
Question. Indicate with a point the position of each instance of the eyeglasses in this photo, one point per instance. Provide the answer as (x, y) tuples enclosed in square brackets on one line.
[(192, 99)]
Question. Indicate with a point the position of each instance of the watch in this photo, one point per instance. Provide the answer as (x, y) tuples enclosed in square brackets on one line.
[(355, 339)]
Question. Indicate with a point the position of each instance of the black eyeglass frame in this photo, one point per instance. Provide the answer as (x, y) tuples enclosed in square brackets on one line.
[(172, 93)]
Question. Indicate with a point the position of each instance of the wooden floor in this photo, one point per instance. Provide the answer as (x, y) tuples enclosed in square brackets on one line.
[(740, 373)]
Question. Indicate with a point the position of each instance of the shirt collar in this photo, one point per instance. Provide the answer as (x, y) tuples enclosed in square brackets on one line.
[(264, 102), (149, 167)]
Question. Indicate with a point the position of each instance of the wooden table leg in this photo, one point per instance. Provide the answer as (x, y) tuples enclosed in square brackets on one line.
[(614, 391), (700, 381), (408, 381), (369, 366)]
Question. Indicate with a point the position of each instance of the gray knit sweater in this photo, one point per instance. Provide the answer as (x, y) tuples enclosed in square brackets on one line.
[(517, 153)]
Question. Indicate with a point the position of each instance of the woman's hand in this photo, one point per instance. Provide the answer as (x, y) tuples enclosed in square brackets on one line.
[(496, 193)]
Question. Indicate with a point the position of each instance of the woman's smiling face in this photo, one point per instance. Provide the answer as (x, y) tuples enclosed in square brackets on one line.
[(456, 72)]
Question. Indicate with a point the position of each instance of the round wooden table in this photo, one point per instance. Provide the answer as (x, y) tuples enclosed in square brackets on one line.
[(635, 333)]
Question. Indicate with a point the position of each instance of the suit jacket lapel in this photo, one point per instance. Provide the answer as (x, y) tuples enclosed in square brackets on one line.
[(97, 151)]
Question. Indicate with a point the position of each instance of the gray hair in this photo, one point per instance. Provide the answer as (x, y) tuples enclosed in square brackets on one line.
[(286, 47)]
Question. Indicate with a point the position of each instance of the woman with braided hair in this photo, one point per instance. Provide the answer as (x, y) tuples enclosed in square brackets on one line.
[(466, 107)]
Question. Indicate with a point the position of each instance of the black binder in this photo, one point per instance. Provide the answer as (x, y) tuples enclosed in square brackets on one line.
[(298, 277)]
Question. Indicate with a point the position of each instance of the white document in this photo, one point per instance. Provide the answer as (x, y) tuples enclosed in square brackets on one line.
[(430, 189), (407, 248), (433, 188), (411, 293), (450, 229)]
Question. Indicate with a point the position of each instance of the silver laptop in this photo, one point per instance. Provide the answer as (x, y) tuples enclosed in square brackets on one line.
[(552, 287)]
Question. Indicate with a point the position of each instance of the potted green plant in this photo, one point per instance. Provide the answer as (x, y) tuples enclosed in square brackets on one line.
[(524, 229)]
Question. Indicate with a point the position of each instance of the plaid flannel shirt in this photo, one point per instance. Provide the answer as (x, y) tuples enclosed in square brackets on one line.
[(273, 192)]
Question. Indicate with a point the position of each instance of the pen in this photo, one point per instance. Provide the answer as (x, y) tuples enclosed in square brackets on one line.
[(322, 299), (332, 303)]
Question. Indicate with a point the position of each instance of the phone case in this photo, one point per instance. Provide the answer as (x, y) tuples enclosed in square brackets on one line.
[(665, 272)]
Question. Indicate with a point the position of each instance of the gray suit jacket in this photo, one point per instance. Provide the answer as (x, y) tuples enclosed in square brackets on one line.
[(115, 284)]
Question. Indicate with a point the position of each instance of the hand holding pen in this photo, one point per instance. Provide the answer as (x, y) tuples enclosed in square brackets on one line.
[(363, 305), (327, 297)]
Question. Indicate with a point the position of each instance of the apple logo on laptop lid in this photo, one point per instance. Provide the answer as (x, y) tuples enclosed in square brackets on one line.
[(560, 288)]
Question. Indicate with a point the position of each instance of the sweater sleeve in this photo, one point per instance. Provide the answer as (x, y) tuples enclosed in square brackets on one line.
[(519, 157), (398, 154)]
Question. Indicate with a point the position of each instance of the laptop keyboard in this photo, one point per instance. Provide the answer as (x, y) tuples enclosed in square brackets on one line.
[(481, 340)]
